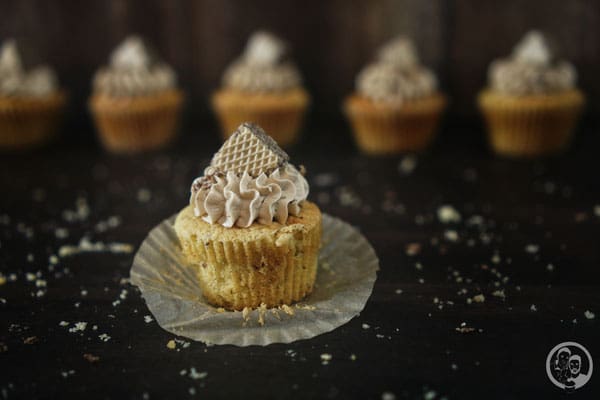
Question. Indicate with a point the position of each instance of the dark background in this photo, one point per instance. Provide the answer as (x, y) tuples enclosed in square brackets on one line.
[(331, 41), (409, 346)]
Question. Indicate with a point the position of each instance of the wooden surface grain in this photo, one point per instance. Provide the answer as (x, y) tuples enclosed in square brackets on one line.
[(527, 241), (332, 40)]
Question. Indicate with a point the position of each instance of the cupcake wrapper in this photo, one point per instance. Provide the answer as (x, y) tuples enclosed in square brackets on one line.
[(137, 124), (347, 271), (239, 277), (280, 115), (388, 129), (30, 122), (532, 125)]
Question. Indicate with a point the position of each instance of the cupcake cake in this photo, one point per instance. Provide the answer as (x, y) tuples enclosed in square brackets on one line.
[(531, 105), (265, 87), (31, 103), (135, 102), (396, 105), (249, 231)]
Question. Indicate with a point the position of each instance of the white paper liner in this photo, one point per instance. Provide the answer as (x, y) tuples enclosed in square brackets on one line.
[(347, 271)]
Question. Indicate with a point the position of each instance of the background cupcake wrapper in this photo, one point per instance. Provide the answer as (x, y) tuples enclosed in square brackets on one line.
[(281, 115), (531, 126), (137, 124), (29, 122), (347, 271), (388, 130)]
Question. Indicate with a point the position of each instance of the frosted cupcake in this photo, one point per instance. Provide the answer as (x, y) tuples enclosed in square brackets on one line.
[(135, 102), (531, 105), (396, 106), (249, 231), (31, 104), (265, 87)]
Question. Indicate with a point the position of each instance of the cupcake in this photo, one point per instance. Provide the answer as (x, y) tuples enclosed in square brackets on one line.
[(249, 232), (31, 104), (135, 101), (265, 87), (531, 105), (396, 105)]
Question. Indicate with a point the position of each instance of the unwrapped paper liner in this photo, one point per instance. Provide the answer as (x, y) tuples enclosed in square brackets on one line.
[(347, 271)]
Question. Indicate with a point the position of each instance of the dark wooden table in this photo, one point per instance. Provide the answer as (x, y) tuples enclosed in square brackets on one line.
[(528, 241)]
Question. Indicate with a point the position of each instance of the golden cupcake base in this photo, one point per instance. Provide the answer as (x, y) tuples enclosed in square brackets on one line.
[(279, 114), (388, 128), (529, 126), (136, 124), (27, 122), (245, 267)]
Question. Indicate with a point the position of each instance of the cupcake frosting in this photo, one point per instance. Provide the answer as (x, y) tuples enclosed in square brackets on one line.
[(249, 180), (396, 75), (263, 67), (531, 69), (16, 81), (133, 71)]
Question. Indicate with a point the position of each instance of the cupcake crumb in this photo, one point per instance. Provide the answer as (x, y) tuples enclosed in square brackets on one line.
[(287, 309), (448, 214), (589, 315), (325, 358), (412, 249), (262, 310), (246, 313), (480, 298)]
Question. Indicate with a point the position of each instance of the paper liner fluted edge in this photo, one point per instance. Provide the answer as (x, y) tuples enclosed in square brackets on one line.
[(347, 272)]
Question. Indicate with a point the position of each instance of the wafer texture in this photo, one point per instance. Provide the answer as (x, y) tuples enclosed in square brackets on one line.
[(249, 150)]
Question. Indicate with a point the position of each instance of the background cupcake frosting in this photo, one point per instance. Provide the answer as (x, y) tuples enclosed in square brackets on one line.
[(532, 69), (397, 74), (263, 67), (133, 71), (16, 81)]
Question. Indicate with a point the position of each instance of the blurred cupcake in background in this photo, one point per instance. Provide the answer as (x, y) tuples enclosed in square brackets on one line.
[(31, 104), (135, 101), (262, 86), (531, 105), (396, 106)]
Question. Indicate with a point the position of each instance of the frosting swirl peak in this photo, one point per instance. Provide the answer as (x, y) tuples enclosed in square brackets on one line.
[(248, 180), (15, 81), (263, 67), (532, 69), (396, 75), (133, 72)]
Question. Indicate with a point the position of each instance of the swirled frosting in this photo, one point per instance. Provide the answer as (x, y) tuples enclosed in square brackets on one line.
[(133, 72), (15, 81), (396, 75), (249, 180), (263, 67), (531, 69)]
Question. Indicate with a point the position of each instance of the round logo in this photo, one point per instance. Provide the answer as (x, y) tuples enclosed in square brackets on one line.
[(569, 366)]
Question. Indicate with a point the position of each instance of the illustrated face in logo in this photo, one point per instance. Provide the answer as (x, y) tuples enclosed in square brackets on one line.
[(575, 365), (563, 356), (569, 366)]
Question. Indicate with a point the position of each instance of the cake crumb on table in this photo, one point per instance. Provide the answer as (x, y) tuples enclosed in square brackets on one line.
[(448, 214), (388, 396), (480, 298), (91, 358), (287, 309)]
